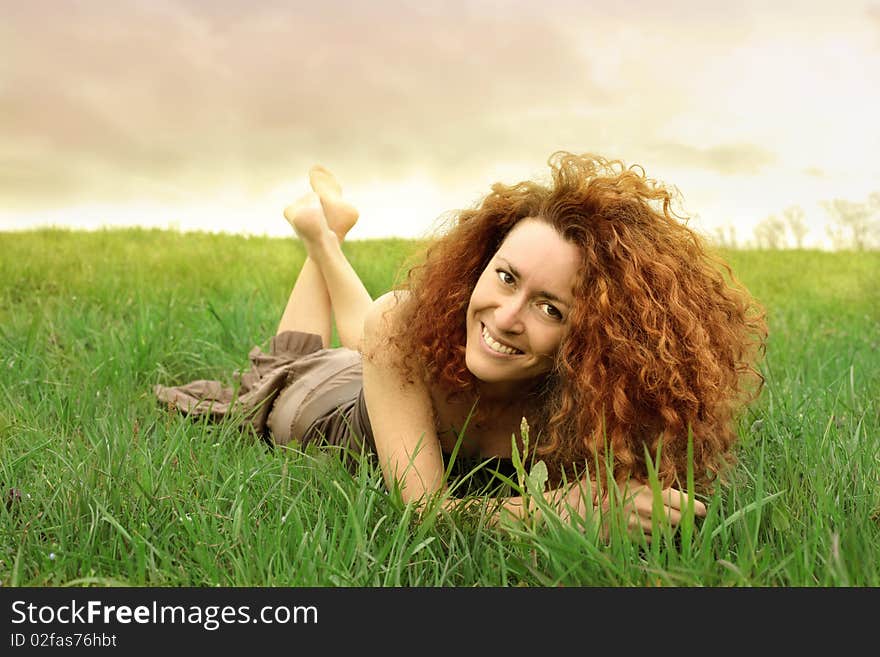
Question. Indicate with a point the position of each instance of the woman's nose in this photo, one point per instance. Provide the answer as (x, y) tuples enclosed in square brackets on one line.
[(507, 315)]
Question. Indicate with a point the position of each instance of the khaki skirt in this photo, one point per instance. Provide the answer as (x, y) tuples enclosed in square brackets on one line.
[(289, 388)]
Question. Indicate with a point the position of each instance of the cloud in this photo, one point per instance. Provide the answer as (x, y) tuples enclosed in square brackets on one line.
[(176, 100), (167, 96), (873, 13), (726, 159)]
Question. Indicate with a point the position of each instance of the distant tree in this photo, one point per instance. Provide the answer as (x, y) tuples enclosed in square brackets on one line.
[(725, 236), (794, 219), (770, 233), (851, 223), (838, 237)]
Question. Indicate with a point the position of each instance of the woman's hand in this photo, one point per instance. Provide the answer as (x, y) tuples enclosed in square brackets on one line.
[(637, 507)]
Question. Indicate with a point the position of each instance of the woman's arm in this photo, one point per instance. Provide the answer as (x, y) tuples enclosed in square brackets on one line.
[(636, 504), (579, 500), (400, 408)]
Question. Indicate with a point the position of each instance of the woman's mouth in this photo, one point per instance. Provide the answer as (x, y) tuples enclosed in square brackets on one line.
[(497, 347)]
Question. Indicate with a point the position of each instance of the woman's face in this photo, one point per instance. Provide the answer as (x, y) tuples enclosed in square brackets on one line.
[(519, 310)]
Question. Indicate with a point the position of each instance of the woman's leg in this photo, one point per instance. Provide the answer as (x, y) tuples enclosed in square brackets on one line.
[(349, 298), (322, 220), (308, 306)]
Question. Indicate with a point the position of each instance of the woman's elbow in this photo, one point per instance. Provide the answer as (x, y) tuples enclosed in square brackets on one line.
[(378, 322)]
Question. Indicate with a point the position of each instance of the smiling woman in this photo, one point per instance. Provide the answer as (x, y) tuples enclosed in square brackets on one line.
[(582, 307), (516, 314)]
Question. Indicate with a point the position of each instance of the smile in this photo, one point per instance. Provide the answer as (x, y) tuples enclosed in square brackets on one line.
[(496, 346)]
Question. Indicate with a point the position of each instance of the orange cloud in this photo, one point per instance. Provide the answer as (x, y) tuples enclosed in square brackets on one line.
[(726, 159)]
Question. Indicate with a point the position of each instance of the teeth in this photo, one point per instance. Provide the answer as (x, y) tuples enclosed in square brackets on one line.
[(497, 346)]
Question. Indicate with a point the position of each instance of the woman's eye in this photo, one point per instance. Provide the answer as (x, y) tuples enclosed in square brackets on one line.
[(505, 277), (551, 311)]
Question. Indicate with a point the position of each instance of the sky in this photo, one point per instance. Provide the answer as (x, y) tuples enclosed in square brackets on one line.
[(206, 115)]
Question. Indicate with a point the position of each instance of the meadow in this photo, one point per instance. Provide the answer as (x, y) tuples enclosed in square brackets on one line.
[(102, 486)]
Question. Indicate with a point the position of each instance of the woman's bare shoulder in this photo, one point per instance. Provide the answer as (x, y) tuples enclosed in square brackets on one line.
[(387, 311), (384, 343)]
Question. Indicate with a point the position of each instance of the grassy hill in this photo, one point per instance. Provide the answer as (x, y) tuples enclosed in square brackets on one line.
[(102, 486)]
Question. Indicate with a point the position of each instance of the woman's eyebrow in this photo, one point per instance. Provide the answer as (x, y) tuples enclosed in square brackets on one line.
[(543, 293)]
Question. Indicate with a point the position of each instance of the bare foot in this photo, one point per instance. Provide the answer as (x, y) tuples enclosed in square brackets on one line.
[(307, 218), (341, 216)]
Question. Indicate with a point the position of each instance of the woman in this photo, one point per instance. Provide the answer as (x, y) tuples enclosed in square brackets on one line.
[(581, 307)]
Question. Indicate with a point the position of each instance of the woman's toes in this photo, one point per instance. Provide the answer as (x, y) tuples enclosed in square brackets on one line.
[(306, 216), (323, 182)]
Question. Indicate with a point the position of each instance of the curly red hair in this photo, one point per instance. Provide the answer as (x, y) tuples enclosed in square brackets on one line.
[(660, 343)]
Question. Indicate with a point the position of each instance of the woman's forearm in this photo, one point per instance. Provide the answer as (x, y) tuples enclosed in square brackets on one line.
[(566, 501), (642, 508)]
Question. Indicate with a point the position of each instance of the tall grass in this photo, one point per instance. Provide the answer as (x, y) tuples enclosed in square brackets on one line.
[(102, 486)]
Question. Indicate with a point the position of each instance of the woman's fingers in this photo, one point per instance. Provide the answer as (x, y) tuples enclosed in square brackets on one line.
[(639, 507), (676, 499), (672, 498), (645, 520), (674, 516), (675, 503)]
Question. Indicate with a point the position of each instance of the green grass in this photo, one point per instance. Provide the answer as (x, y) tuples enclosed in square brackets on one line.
[(115, 490)]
